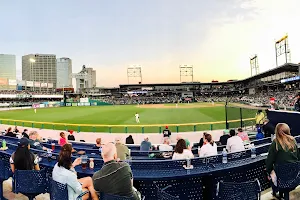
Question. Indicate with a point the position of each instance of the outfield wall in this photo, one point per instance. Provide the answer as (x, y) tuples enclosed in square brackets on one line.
[(155, 138)]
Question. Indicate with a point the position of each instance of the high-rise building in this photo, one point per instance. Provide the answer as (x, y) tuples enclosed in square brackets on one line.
[(86, 78), (40, 68), (8, 66), (64, 73)]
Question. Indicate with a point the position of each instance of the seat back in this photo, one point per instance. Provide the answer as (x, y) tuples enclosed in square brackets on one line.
[(104, 196), (162, 195), (58, 191), (288, 175), (30, 181), (239, 191), (5, 171)]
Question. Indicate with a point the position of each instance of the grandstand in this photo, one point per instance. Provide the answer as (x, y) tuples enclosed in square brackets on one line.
[(151, 170)]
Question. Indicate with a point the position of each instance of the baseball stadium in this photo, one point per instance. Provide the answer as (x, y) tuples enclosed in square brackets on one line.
[(62, 137)]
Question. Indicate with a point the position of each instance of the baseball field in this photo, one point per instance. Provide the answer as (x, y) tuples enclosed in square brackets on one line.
[(121, 118)]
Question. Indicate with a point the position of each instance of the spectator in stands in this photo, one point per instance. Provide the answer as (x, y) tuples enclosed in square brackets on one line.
[(268, 128), (34, 142), (16, 129), (297, 103), (98, 144), (243, 135), (259, 118), (166, 145), (146, 145), (64, 172), (181, 151), (22, 158), (9, 133), (283, 149), (166, 132), (259, 134), (224, 137), (71, 137), (122, 150), (114, 177), (188, 144), (201, 142), (62, 140), (25, 134), (234, 143), (209, 148), (129, 140)]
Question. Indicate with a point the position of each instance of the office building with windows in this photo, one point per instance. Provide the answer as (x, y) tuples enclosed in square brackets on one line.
[(64, 73), (39, 68)]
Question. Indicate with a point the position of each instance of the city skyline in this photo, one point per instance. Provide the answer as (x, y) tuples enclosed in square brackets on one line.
[(216, 37)]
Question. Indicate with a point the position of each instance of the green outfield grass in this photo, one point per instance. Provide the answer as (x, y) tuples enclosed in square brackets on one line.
[(117, 118)]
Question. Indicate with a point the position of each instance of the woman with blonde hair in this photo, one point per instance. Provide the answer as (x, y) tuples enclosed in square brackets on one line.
[(282, 150)]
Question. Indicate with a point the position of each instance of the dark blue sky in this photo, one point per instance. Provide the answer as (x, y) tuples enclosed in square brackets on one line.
[(157, 34)]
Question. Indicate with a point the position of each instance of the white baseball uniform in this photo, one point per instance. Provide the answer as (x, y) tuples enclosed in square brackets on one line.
[(137, 118)]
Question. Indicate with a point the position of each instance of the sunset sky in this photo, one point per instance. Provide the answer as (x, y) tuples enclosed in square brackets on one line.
[(217, 37)]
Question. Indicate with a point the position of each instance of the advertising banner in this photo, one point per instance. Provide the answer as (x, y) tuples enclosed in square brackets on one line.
[(29, 83), (12, 82), (84, 100), (42, 105), (37, 84), (21, 82), (68, 104), (74, 104), (50, 85), (3, 81), (44, 85)]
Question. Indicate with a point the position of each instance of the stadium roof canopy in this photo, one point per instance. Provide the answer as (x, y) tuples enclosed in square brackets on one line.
[(288, 67)]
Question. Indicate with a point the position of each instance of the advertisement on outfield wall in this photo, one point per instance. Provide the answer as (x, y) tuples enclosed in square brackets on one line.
[(68, 104), (74, 104), (12, 82), (29, 83), (84, 100)]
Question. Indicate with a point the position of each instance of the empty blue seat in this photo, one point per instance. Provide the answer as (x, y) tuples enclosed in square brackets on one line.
[(30, 182), (239, 191), (59, 191), (163, 195), (5, 173), (288, 178)]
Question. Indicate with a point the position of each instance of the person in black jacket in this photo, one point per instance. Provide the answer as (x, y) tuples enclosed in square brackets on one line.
[(25, 134), (297, 103), (202, 140), (224, 137), (268, 128), (129, 140), (71, 137), (9, 133), (167, 132)]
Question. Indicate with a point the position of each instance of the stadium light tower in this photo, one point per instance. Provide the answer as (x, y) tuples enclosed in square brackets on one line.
[(254, 65), (186, 70), (134, 71), (282, 48)]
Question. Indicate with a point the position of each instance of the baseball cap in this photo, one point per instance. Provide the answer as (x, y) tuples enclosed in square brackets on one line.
[(167, 127), (23, 142)]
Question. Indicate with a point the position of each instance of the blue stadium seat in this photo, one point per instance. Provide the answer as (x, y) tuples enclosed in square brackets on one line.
[(59, 191), (163, 195), (288, 178), (5, 173), (30, 182), (104, 196), (239, 191)]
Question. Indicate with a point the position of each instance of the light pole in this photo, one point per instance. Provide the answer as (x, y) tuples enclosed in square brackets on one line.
[(31, 60)]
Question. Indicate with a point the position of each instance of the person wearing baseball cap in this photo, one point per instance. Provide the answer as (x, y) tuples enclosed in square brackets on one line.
[(22, 158), (166, 132), (71, 137)]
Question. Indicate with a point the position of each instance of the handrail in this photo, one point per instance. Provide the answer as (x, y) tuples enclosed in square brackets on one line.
[(129, 125)]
